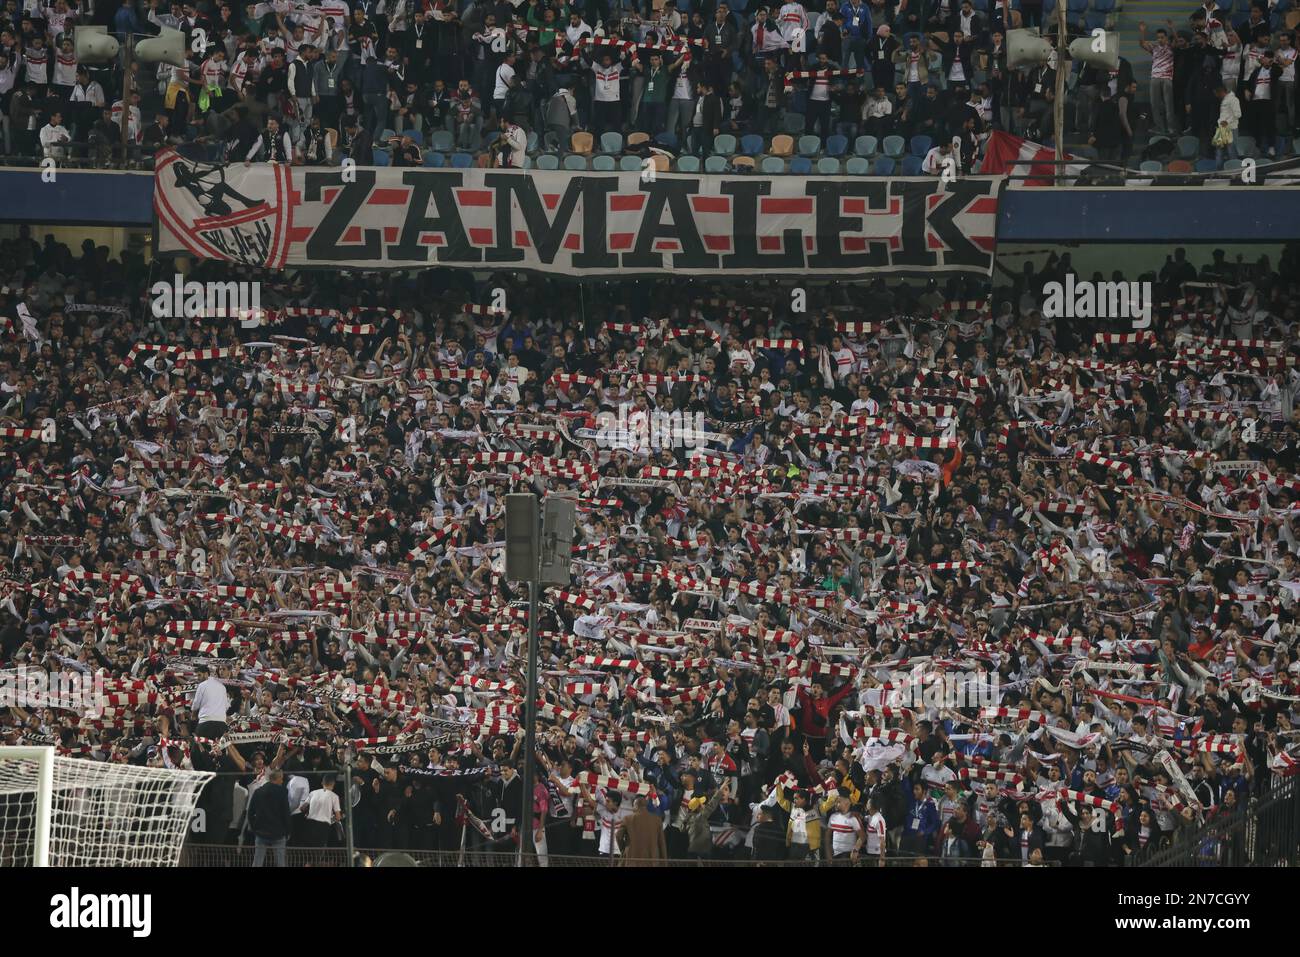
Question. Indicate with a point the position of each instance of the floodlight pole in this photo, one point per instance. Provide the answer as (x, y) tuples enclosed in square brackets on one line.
[(1058, 107)]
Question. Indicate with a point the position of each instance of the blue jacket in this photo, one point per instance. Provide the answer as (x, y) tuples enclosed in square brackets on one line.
[(922, 817), (858, 25)]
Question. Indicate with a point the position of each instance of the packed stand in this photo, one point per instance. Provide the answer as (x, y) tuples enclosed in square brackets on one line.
[(405, 83), (280, 536)]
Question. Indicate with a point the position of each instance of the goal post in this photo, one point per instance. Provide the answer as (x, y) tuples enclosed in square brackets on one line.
[(58, 811)]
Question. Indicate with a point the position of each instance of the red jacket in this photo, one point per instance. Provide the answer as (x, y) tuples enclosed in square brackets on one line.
[(814, 714)]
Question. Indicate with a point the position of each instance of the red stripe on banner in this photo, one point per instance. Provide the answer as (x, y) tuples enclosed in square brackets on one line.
[(932, 241), (433, 239), (855, 206), (985, 242), (551, 200), (390, 234), (986, 207), (667, 246), (777, 206), (474, 197), (808, 242), (572, 241), (769, 242), (933, 200), (855, 244), (621, 240), (717, 242), (328, 195), (626, 204), (711, 204), (299, 234), (388, 197), (352, 235), (522, 239), (480, 237)]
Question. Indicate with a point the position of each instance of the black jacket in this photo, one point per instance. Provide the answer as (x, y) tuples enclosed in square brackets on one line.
[(268, 812), (769, 841)]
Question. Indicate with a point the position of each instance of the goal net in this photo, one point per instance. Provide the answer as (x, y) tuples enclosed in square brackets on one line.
[(70, 812)]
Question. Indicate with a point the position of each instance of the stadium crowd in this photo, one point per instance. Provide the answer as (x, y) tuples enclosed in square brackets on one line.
[(315, 82), (906, 575)]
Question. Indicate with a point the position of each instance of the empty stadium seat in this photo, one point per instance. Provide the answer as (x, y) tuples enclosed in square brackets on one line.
[(911, 165), (724, 144), (828, 166), (442, 141), (1231, 166), (866, 146), (793, 123), (715, 164), (531, 145), (581, 142), (857, 166), (548, 161), (884, 166), (381, 157), (688, 164), (575, 161), (603, 163), (741, 160), (773, 165), (1189, 147), (894, 147), (801, 166), (920, 145), (611, 142), (1207, 166), (434, 160), (1151, 166), (637, 138), (751, 144), (782, 145), (1246, 146), (809, 145), (630, 164), (462, 160), (1179, 166), (836, 145)]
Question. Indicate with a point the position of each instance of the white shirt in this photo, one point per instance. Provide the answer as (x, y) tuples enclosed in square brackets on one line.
[(876, 829), (844, 832), (505, 73), (299, 788), (211, 701), (323, 806)]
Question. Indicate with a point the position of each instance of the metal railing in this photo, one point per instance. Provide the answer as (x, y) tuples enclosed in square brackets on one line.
[(222, 855), (1264, 832)]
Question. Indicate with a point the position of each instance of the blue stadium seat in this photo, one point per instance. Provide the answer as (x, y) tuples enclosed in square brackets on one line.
[(611, 142), (548, 161), (921, 144), (688, 164), (828, 166), (603, 163), (630, 164), (462, 160), (1151, 166), (715, 164), (1189, 147), (724, 144), (911, 166), (1094, 20), (434, 160), (836, 145), (1246, 146), (1103, 6), (884, 165), (801, 166), (773, 165), (1207, 166), (751, 144), (1076, 7), (532, 141), (857, 166), (809, 145), (866, 146), (416, 136), (381, 157), (442, 141), (894, 147), (575, 162)]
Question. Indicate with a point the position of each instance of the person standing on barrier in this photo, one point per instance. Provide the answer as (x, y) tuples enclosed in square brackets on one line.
[(1163, 121)]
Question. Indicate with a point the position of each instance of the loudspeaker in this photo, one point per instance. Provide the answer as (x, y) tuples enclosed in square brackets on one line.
[(1107, 59), (93, 44), (167, 47), (523, 532), (558, 518), (1026, 48)]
